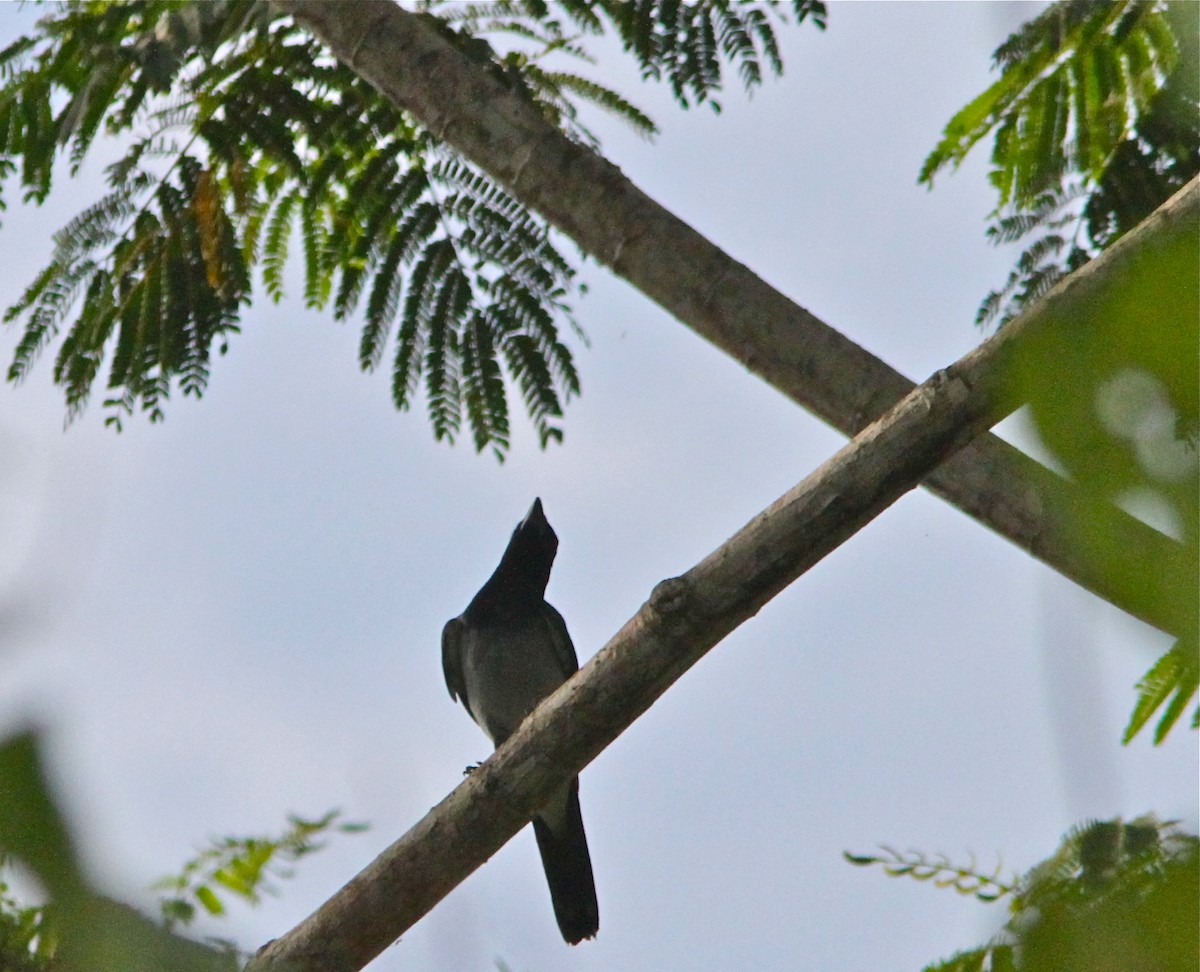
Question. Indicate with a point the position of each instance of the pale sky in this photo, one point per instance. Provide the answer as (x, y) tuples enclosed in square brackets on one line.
[(236, 614)]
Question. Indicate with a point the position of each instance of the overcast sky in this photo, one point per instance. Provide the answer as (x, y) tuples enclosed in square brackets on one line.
[(236, 614)]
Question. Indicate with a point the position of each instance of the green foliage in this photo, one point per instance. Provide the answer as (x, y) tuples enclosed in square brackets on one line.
[(242, 866), (243, 133), (1096, 123), (1115, 895), (26, 944), (1172, 680), (681, 43)]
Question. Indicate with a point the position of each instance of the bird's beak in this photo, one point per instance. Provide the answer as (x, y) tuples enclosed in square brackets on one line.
[(535, 514)]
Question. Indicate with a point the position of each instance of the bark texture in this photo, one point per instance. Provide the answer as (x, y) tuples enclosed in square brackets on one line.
[(687, 615), (407, 58)]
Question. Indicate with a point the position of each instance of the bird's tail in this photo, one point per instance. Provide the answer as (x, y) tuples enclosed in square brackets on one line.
[(568, 866)]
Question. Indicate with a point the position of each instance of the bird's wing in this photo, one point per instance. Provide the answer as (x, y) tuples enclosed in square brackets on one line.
[(560, 640), (452, 659)]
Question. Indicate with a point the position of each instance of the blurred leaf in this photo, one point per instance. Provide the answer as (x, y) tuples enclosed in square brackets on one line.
[(211, 902), (1136, 928), (102, 934), (1115, 396), (85, 931), (26, 940), (31, 828)]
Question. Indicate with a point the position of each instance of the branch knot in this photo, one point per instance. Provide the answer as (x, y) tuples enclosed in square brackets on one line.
[(671, 603)]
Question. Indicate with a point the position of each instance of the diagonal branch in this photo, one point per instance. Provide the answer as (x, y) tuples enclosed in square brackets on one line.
[(407, 59), (687, 615)]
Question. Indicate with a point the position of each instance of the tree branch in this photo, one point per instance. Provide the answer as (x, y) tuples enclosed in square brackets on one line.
[(687, 615), (407, 58)]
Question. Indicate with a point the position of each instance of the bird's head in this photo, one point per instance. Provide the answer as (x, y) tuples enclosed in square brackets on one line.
[(524, 571), (531, 550)]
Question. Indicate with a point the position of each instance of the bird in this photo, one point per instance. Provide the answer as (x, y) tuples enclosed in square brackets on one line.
[(505, 653)]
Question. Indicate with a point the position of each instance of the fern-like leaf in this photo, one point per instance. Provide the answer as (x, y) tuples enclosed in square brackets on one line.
[(442, 377), (940, 870), (1172, 681), (424, 283), (317, 278), (1094, 122), (279, 231), (487, 408)]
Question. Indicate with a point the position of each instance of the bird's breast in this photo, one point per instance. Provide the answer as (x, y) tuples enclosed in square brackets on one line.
[(508, 668)]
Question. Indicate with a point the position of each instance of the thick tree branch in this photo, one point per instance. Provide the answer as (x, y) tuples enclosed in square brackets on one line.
[(406, 57), (688, 615)]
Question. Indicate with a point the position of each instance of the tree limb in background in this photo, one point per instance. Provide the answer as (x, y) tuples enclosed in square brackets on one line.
[(406, 57), (687, 615), (251, 131)]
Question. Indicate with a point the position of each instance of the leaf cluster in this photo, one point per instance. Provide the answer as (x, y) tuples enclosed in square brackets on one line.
[(266, 139), (1095, 124), (1115, 894), (245, 867), (245, 136), (682, 44)]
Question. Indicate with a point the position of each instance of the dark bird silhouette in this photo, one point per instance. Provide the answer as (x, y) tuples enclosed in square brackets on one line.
[(505, 653)]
